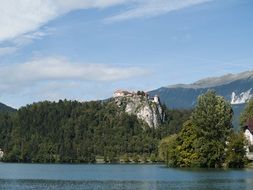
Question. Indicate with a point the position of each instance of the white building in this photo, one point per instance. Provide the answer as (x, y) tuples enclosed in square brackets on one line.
[(1, 154), (248, 132), (156, 99), (120, 93), (249, 136)]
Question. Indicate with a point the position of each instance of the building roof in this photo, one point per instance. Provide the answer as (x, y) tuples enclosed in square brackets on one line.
[(249, 125), (122, 91)]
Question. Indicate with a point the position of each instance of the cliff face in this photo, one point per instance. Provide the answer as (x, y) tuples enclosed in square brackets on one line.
[(145, 109)]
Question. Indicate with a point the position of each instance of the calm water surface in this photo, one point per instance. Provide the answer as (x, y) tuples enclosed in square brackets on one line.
[(119, 177)]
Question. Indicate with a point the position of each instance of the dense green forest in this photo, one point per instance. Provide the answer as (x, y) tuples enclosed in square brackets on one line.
[(74, 132)]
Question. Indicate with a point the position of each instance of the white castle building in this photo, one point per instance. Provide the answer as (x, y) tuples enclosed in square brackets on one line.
[(248, 131), (1, 154), (121, 93), (124, 93), (156, 99)]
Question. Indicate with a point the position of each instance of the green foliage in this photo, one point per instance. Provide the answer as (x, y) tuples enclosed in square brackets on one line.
[(6, 123), (153, 157), (141, 93), (74, 132), (136, 158), (186, 146), (167, 150), (235, 154), (174, 120), (125, 158), (213, 120), (212, 116), (202, 140), (247, 113)]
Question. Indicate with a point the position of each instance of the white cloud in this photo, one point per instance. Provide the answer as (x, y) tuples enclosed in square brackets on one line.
[(28, 38), (31, 73), (19, 17), (149, 8), (22, 21), (23, 40)]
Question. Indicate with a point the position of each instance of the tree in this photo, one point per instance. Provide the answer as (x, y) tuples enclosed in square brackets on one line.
[(187, 146), (247, 113), (236, 153), (213, 120), (212, 116), (71, 131), (166, 149), (202, 140)]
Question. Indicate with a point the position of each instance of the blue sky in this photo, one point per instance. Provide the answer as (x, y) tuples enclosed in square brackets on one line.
[(85, 49)]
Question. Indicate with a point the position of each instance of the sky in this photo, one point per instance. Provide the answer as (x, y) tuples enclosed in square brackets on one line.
[(86, 49)]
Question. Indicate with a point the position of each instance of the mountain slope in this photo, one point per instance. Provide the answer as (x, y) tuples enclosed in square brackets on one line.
[(5, 108), (236, 88)]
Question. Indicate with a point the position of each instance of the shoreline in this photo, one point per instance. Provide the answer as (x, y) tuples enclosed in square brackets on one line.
[(248, 166)]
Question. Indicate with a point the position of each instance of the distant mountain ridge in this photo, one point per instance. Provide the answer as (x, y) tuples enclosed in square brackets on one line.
[(236, 88), (215, 81), (5, 108)]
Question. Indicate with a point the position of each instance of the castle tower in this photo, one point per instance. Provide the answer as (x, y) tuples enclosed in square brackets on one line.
[(156, 99)]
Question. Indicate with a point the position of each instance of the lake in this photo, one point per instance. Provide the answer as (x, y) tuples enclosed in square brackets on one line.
[(120, 177)]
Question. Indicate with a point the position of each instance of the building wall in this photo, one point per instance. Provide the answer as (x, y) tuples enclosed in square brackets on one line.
[(118, 94), (1, 154), (156, 99), (249, 136)]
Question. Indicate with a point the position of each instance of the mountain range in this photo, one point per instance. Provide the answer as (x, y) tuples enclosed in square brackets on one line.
[(5, 108), (236, 88)]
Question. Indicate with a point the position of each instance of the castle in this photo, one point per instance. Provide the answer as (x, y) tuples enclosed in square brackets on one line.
[(140, 104), (124, 93)]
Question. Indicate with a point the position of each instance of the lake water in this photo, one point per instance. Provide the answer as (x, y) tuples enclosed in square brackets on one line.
[(119, 177)]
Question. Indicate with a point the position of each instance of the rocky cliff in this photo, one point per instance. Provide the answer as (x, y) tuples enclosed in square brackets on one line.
[(143, 107)]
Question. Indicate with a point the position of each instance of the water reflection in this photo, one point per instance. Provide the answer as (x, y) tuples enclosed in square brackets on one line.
[(123, 185), (119, 177)]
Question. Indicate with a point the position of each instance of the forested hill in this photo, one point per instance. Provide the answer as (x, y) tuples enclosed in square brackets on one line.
[(70, 131)]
